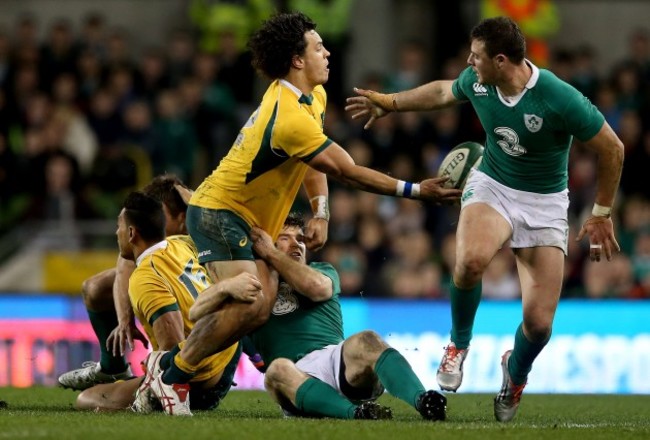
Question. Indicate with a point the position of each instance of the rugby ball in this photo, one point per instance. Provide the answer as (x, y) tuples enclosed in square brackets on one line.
[(459, 162)]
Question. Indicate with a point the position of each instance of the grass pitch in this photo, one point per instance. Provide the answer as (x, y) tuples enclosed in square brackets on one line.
[(47, 413)]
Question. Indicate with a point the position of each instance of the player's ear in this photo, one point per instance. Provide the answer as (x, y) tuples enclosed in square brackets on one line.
[(500, 59), (132, 234), (297, 62)]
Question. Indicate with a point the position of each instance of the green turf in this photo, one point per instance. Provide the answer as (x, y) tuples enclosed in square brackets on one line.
[(47, 413)]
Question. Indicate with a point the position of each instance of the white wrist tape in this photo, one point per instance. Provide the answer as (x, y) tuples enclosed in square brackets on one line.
[(320, 207), (601, 211)]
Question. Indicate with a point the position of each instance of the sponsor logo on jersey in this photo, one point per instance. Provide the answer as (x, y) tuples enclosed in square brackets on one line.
[(509, 141), (243, 242), (204, 253), (287, 301), (479, 89), (533, 122)]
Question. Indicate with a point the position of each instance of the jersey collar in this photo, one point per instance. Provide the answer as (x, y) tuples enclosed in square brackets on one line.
[(535, 75), (303, 99), (532, 81), (151, 250)]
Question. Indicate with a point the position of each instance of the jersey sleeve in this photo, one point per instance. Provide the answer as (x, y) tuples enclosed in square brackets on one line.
[(328, 270), (150, 296), (583, 119), (463, 83)]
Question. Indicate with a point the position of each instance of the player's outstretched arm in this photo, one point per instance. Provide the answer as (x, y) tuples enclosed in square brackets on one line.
[(430, 96), (337, 163)]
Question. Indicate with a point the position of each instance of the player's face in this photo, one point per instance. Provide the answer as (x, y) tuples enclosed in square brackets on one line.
[(291, 241), (315, 59), (123, 235), (481, 63)]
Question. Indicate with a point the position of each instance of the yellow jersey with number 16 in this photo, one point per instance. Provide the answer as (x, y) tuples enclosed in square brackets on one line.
[(168, 277)]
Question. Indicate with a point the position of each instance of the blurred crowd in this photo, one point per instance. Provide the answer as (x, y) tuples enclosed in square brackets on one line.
[(84, 119)]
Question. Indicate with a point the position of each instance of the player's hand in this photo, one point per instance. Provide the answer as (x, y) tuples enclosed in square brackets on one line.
[(432, 190), (185, 193), (369, 103), (125, 335), (262, 242), (245, 287), (601, 237), (316, 233)]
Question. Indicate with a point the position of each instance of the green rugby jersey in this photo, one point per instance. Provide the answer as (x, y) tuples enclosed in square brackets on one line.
[(528, 142), (298, 325)]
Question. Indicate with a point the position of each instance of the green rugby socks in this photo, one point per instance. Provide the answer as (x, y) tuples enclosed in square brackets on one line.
[(464, 304), (523, 355), (317, 397), (103, 324), (396, 374)]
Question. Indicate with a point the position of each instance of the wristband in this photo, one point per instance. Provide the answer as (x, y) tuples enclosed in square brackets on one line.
[(320, 207), (407, 189), (601, 211)]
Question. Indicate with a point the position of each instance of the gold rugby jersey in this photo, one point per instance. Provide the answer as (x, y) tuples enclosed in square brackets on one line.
[(168, 277), (260, 176)]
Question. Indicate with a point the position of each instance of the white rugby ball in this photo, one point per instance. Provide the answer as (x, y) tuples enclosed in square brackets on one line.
[(459, 162)]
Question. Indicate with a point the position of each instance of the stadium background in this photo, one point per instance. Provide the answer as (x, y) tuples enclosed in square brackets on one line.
[(98, 96)]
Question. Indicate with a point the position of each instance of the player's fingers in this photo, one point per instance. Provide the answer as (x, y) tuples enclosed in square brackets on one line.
[(581, 234), (369, 123), (362, 92), (361, 113)]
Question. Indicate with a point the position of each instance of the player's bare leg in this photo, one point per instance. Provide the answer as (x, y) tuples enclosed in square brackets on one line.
[(541, 272)]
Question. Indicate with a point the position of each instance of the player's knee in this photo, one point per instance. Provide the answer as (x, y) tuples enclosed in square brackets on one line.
[(90, 291), (469, 270), (277, 372), (366, 344), (371, 341)]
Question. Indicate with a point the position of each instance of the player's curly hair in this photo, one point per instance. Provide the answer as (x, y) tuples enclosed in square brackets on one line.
[(295, 219), (280, 38), (501, 35), (162, 189)]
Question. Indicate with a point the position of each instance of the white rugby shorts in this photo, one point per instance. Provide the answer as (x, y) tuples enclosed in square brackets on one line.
[(325, 365), (536, 219)]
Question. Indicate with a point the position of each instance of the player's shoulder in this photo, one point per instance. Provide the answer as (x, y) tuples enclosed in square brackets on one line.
[(550, 82), (181, 240), (556, 92)]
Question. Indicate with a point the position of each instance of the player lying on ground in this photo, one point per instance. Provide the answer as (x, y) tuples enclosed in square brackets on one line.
[(312, 371)]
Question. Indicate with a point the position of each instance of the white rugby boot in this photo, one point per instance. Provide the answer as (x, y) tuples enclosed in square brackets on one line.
[(450, 371), (507, 401), (91, 374)]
